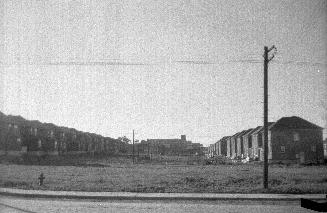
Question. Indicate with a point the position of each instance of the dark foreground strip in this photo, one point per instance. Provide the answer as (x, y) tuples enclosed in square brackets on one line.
[(313, 205), (13, 207)]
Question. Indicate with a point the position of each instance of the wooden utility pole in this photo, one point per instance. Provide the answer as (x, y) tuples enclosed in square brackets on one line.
[(133, 147), (265, 112)]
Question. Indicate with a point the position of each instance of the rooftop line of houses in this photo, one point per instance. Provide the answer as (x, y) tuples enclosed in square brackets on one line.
[(290, 139), (19, 136)]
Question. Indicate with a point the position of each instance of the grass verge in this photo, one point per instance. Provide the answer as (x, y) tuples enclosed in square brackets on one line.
[(147, 177)]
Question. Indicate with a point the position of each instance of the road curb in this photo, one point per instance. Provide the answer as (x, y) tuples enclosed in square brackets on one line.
[(156, 196)]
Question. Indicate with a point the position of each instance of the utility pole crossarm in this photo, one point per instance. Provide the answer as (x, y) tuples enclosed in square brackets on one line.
[(271, 57), (271, 48)]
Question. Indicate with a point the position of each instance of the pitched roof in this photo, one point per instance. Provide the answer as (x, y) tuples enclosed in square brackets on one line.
[(294, 122), (243, 132), (235, 135), (228, 138), (224, 138), (262, 127), (252, 130)]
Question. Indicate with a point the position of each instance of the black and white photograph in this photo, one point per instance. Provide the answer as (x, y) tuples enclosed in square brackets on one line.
[(163, 106)]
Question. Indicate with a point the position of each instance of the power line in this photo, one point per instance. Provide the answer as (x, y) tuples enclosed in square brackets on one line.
[(300, 63), (186, 62)]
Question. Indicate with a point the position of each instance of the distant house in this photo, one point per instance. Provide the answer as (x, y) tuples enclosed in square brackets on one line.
[(240, 143), (257, 142), (46, 138), (212, 146), (207, 151), (221, 146), (247, 143), (217, 148), (234, 145), (31, 142), (176, 147), (214, 150), (10, 139), (228, 147)]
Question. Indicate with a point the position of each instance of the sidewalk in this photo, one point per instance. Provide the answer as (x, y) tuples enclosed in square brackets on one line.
[(155, 196)]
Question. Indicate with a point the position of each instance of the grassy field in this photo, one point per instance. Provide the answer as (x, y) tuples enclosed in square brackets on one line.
[(148, 177)]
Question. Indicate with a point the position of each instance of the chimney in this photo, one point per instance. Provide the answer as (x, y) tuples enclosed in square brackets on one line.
[(183, 137)]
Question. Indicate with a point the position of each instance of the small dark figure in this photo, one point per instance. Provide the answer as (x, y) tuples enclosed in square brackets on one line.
[(41, 178)]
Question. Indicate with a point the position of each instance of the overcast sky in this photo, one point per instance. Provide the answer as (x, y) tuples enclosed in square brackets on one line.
[(163, 68)]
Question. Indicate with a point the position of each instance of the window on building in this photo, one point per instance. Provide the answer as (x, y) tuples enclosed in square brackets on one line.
[(282, 149), (313, 148), (296, 136), (15, 126), (39, 144)]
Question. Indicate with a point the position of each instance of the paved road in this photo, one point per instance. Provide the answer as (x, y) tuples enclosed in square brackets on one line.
[(28, 205)]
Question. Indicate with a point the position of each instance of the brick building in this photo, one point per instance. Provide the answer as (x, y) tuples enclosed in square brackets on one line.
[(295, 139), (173, 146), (290, 139)]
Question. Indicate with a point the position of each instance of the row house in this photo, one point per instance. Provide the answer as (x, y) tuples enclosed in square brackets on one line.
[(290, 139), (210, 151), (228, 147), (221, 146), (234, 145), (258, 138), (248, 142), (213, 150), (21, 139), (295, 139), (243, 150), (10, 139)]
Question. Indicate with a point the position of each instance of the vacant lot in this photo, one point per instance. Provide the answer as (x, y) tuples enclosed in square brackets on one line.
[(167, 178)]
